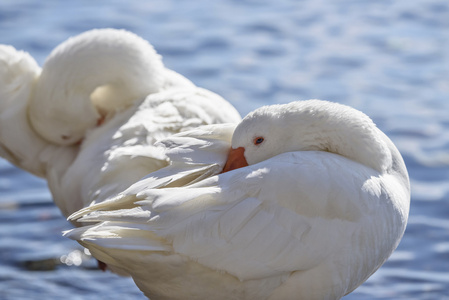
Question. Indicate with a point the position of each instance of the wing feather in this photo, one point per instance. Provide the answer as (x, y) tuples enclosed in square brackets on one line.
[(211, 144), (274, 217)]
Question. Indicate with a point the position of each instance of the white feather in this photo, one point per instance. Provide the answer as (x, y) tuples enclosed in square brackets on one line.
[(109, 74), (313, 222)]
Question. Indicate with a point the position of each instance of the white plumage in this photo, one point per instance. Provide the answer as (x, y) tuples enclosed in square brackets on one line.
[(87, 120), (321, 206)]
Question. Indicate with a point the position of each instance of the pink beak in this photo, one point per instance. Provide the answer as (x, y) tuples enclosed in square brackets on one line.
[(236, 159)]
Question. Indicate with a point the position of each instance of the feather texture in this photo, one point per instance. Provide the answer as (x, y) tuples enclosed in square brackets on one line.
[(115, 76), (304, 224)]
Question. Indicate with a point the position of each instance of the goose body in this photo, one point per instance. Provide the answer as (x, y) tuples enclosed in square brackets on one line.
[(313, 200), (88, 119), (122, 151)]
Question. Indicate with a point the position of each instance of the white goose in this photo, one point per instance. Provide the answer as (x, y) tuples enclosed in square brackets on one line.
[(92, 76), (93, 88), (313, 200)]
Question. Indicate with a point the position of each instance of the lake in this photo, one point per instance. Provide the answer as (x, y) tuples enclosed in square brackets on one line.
[(389, 59)]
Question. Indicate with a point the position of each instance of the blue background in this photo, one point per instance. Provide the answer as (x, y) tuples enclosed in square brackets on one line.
[(389, 59)]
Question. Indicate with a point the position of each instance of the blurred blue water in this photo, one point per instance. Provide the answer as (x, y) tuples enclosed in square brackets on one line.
[(389, 59)]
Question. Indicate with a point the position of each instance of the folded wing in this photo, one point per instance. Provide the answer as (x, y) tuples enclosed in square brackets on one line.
[(288, 213)]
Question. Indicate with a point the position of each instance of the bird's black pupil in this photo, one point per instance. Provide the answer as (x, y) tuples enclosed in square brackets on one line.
[(259, 140)]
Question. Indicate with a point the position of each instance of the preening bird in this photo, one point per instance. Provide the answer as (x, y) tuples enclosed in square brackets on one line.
[(303, 200), (87, 120)]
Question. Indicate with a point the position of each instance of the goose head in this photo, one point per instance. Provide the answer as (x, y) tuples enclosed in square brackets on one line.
[(90, 77), (312, 125)]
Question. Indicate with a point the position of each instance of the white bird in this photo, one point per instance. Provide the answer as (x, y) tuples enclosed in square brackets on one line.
[(87, 120), (313, 200), (92, 76)]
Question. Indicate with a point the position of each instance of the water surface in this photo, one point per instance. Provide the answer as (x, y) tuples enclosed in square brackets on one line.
[(389, 59)]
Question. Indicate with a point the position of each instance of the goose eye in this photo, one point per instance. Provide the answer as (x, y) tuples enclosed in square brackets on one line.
[(258, 140)]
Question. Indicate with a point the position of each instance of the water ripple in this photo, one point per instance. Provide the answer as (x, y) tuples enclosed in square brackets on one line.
[(386, 58)]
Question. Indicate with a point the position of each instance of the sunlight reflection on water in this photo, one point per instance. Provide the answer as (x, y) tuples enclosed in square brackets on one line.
[(388, 59)]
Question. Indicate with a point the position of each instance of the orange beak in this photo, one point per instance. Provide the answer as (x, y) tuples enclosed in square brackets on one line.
[(236, 160)]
